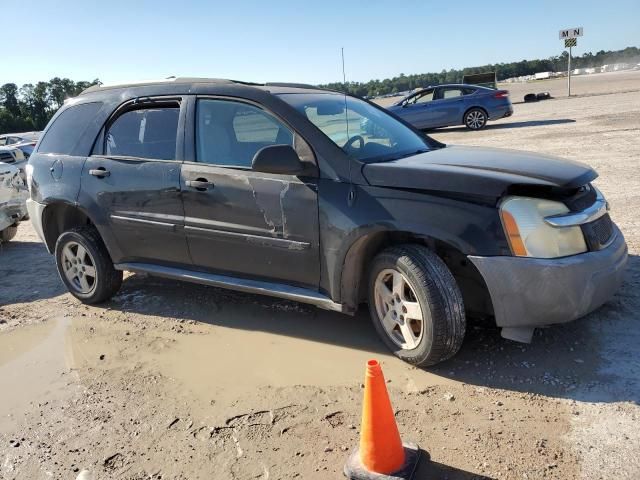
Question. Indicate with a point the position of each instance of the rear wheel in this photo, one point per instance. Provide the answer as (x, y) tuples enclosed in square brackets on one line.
[(85, 267), (8, 233), (475, 119), (416, 305)]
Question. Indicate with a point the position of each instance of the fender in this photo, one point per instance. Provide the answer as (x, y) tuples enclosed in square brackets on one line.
[(380, 216)]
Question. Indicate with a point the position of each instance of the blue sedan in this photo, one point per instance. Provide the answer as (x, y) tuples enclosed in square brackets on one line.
[(447, 105)]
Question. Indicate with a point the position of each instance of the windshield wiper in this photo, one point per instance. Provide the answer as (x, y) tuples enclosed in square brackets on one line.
[(410, 154)]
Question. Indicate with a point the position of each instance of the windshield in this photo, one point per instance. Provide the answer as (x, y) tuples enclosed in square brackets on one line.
[(363, 131)]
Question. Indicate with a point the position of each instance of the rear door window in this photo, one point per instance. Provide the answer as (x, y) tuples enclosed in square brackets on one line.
[(451, 92), (145, 133), (65, 131)]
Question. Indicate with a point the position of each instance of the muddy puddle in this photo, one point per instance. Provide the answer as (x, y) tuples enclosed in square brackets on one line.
[(219, 364), (34, 364)]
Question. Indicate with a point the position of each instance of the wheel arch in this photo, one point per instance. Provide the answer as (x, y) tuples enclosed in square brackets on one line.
[(355, 268), (60, 216)]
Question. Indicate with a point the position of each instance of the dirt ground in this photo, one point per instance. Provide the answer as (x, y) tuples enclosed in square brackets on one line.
[(172, 380)]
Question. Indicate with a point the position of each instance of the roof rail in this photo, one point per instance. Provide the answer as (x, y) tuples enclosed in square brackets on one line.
[(292, 85), (101, 87)]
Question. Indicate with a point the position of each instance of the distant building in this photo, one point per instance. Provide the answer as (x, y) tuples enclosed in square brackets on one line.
[(621, 66)]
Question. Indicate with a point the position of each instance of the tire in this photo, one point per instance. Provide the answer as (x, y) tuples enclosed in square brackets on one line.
[(101, 280), (8, 233), (475, 119), (433, 288)]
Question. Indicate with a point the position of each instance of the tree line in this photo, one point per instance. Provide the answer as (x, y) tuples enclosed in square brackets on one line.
[(503, 71), (31, 106)]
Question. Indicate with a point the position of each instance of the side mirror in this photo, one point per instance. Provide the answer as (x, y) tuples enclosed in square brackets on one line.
[(281, 159)]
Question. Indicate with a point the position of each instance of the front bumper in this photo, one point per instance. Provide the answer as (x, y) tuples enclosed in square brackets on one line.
[(532, 292)]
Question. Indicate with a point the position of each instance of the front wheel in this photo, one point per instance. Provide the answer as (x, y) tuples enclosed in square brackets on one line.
[(8, 233), (85, 267), (475, 119), (416, 305)]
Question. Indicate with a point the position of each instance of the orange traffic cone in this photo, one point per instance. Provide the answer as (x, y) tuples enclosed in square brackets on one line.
[(382, 455)]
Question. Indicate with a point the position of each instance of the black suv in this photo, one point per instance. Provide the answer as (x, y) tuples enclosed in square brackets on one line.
[(274, 189)]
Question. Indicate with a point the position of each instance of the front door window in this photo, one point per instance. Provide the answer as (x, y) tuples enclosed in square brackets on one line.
[(230, 133)]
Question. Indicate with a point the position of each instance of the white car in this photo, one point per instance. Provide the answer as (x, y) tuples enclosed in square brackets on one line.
[(26, 141), (13, 197)]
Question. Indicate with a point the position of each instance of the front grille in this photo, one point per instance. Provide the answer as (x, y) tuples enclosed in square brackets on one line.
[(6, 158), (598, 233)]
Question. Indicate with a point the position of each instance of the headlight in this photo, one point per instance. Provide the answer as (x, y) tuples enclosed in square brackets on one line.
[(530, 236)]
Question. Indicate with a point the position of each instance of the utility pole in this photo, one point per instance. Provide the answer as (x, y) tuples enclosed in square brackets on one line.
[(569, 73)]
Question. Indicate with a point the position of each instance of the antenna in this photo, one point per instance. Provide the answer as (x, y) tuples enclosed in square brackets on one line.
[(352, 193)]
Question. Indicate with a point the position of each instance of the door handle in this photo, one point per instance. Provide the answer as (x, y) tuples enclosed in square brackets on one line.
[(99, 172), (200, 184)]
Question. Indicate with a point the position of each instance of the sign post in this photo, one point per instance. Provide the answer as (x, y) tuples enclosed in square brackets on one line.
[(570, 37)]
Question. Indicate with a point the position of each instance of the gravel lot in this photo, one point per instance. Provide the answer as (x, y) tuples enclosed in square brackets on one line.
[(173, 380)]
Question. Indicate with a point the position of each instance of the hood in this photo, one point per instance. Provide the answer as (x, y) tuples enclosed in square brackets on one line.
[(477, 170)]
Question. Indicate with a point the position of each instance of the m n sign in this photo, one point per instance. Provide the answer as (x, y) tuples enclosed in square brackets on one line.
[(570, 33)]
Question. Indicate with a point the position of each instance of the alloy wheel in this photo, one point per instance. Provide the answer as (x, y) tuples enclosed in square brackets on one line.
[(398, 309), (79, 267), (476, 119)]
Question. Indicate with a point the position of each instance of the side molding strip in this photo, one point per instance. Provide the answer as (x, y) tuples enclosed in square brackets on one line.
[(154, 223), (260, 287), (249, 238)]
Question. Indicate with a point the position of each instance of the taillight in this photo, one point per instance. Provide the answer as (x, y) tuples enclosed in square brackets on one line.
[(501, 94)]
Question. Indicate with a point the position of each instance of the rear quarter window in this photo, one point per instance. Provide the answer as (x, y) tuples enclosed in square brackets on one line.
[(63, 134)]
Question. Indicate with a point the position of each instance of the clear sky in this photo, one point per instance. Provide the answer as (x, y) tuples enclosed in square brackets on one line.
[(296, 41)]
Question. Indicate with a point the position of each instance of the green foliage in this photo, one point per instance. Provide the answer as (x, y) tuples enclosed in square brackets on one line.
[(30, 107), (503, 70)]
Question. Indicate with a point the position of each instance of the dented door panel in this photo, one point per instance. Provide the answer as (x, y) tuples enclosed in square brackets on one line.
[(137, 206), (252, 224)]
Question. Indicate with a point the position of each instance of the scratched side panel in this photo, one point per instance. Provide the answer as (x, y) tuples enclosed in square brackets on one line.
[(253, 224)]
